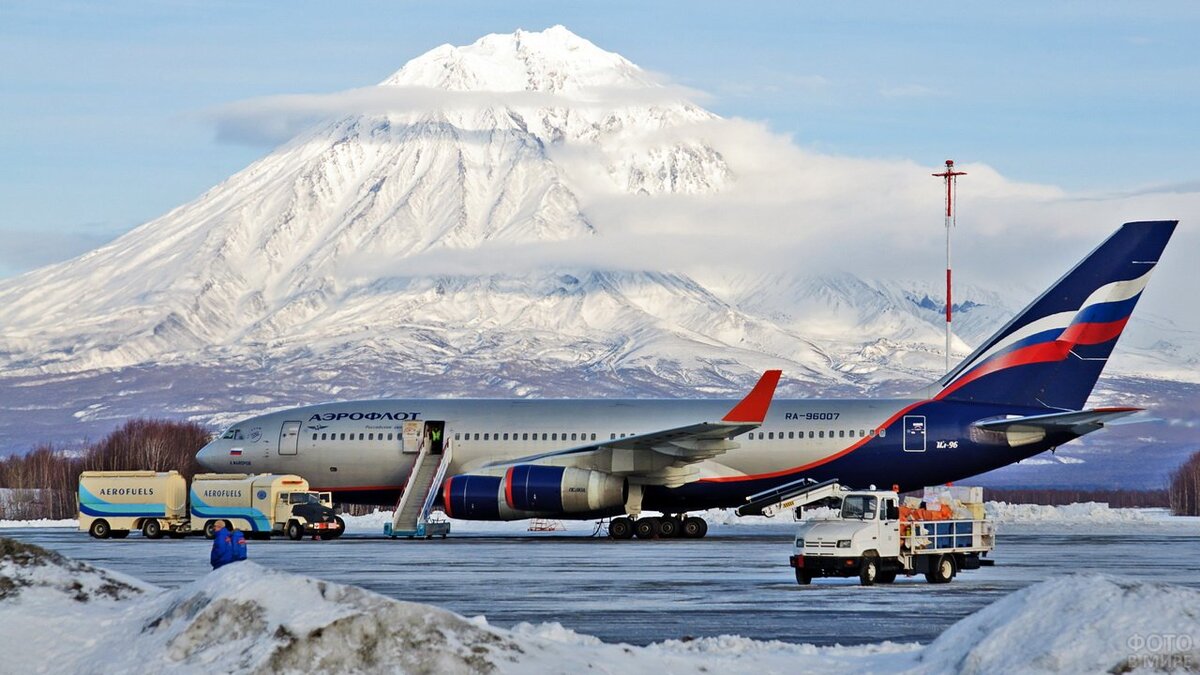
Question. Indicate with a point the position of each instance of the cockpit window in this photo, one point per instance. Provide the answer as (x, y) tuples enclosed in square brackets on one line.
[(233, 435)]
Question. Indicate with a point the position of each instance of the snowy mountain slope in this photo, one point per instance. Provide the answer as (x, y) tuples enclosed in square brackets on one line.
[(245, 618)]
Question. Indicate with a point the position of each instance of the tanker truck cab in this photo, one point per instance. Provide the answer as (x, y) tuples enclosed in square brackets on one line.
[(873, 538), (307, 512)]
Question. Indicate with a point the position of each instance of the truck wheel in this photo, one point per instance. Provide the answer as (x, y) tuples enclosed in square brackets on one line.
[(620, 528), (647, 528), (151, 529), (119, 534), (341, 528), (869, 571), (942, 571), (295, 531), (886, 577), (668, 527), (100, 529), (803, 577), (695, 528), (210, 529)]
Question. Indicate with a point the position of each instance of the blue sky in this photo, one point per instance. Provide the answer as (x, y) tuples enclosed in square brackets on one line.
[(101, 103)]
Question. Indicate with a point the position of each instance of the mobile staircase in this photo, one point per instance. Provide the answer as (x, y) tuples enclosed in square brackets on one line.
[(412, 517), (790, 496)]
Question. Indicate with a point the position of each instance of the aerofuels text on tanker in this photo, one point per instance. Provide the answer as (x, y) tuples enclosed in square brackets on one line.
[(113, 503)]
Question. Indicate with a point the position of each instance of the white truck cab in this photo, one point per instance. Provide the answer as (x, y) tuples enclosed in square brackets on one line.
[(875, 539)]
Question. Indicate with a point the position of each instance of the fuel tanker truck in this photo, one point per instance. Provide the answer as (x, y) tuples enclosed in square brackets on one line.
[(113, 503)]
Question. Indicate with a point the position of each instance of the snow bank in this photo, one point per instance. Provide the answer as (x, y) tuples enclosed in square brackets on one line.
[(39, 522), (1085, 623), (1087, 512), (58, 615)]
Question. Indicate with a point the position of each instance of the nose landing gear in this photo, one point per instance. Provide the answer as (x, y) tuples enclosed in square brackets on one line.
[(653, 527)]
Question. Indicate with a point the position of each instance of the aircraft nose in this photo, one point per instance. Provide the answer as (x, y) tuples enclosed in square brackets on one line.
[(206, 454)]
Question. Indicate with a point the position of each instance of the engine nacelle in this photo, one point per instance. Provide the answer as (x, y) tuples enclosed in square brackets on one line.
[(527, 491), (557, 489)]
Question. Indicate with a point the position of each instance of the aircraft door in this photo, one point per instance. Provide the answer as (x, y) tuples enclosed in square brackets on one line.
[(289, 438), (434, 432), (914, 433), (411, 440)]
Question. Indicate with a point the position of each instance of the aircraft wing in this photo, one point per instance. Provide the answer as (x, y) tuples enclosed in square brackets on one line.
[(666, 457), (1079, 422)]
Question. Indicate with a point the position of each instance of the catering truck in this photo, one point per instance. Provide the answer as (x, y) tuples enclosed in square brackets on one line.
[(262, 505), (112, 503), (875, 538)]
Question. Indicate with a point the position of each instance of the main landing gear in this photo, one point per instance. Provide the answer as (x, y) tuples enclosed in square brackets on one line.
[(654, 527)]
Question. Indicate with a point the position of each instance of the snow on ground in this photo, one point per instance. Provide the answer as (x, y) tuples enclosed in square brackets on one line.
[(39, 522), (58, 615), (1002, 512), (1097, 513)]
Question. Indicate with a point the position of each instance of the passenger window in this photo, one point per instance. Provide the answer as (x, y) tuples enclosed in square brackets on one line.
[(543, 436), (455, 437), (770, 435), (791, 434), (760, 435), (872, 432), (554, 436), (821, 434), (622, 435), (612, 437), (371, 437), (314, 437), (485, 437), (593, 437), (323, 436), (574, 436), (883, 433), (506, 437), (476, 435), (841, 433)]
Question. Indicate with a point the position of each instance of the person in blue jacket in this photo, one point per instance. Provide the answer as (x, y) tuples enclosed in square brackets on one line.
[(237, 546), (222, 548)]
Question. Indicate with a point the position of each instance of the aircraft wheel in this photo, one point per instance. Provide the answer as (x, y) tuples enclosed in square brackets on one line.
[(620, 528), (152, 529), (694, 528), (100, 529), (647, 528), (668, 527)]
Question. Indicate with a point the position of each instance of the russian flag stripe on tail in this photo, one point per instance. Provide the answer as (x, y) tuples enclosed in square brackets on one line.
[(1052, 353)]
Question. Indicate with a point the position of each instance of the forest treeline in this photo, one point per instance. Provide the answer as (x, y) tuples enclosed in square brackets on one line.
[(43, 482)]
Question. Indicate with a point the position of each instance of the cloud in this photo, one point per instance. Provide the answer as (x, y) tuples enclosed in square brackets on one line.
[(271, 120), (787, 209), (24, 250)]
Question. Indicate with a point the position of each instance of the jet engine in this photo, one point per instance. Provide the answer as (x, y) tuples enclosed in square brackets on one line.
[(529, 490)]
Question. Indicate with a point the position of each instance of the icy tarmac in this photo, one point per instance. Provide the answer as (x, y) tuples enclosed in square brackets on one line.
[(736, 581)]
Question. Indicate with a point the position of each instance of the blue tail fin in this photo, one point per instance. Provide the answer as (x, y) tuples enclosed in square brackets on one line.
[(1052, 353)]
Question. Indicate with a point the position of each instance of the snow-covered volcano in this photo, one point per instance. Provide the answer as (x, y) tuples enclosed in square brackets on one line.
[(344, 264)]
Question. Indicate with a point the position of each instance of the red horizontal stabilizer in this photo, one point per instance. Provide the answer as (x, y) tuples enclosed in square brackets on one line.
[(753, 408)]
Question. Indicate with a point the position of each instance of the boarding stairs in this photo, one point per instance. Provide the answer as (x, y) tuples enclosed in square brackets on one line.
[(790, 496), (413, 509)]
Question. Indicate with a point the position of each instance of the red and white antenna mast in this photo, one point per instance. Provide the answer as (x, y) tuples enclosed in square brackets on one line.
[(951, 178)]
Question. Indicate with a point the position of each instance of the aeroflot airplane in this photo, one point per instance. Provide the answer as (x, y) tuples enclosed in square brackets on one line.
[(1020, 393)]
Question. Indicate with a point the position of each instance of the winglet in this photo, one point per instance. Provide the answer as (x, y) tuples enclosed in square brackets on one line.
[(753, 408)]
